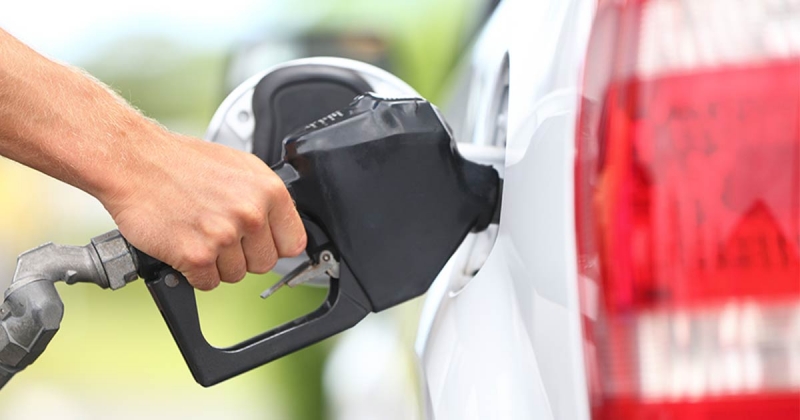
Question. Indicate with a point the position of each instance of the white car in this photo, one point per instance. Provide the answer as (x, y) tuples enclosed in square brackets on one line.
[(647, 260), (647, 263)]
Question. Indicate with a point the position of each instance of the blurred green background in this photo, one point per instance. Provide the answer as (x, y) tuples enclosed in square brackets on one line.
[(176, 60)]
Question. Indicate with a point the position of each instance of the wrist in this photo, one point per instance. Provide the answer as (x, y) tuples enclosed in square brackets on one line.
[(128, 156)]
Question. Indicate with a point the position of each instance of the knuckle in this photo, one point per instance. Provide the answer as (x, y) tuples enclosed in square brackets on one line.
[(198, 257), (221, 233), (300, 246), (294, 246), (253, 217), (275, 189), (261, 259), (203, 283), (253, 266), (227, 237), (234, 275), (296, 241), (258, 268)]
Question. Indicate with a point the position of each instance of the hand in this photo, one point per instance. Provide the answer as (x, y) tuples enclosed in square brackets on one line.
[(211, 212)]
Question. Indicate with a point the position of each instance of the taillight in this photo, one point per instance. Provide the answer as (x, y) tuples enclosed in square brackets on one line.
[(688, 210)]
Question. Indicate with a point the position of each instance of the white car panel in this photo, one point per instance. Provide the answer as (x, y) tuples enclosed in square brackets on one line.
[(506, 344)]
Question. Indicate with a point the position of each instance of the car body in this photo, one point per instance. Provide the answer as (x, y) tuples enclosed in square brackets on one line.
[(506, 342), (536, 320)]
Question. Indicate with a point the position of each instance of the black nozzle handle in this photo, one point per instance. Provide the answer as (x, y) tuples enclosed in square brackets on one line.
[(344, 307)]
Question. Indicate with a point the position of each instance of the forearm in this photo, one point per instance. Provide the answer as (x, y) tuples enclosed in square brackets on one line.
[(62, 122)]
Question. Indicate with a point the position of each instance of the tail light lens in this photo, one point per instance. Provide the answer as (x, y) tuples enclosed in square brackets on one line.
[(688, 210)]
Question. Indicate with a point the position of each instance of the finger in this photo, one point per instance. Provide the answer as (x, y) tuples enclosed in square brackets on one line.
[(259, 251), (287, 229), (204, 278), (231, 263)]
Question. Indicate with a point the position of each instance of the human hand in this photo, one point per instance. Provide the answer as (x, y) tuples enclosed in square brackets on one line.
[(210, 212)]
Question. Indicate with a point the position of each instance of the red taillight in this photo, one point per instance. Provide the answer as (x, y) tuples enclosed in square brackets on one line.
[(688, 210)]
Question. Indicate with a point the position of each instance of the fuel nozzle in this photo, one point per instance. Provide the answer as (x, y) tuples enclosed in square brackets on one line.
[(384, 179)]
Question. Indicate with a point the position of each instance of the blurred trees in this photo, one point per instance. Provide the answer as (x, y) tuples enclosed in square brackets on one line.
[(173, 83)]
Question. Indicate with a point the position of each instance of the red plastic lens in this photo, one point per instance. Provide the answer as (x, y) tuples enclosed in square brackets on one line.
[(688, 227)]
